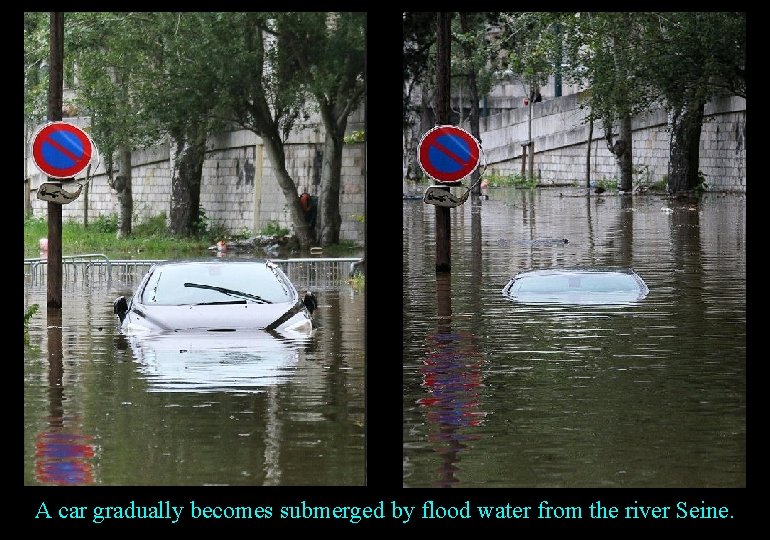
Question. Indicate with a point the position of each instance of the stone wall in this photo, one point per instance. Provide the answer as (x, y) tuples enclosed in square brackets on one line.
[(238, 189), (560, 136)]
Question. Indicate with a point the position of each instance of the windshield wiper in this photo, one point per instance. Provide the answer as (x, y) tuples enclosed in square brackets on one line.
[(230, 292)]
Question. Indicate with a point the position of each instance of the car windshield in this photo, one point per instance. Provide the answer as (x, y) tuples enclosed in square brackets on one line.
[(214, 283), (589, 282)]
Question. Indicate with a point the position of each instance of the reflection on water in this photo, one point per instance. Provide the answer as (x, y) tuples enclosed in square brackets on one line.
[(177, 410), (64, 458), (63, 454), (648, 394), (195, 362), (450, 375)]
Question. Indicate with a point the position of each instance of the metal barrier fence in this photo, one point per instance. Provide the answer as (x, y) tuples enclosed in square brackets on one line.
[(317, 273), (313, 272)]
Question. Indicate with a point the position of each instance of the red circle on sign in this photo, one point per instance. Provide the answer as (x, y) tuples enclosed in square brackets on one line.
[(448, 153), (61, 150)]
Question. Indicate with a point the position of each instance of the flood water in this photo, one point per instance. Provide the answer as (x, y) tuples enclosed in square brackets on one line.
[(651, 394), (100, 411)]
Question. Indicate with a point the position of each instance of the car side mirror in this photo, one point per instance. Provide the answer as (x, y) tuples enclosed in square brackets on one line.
[(120, 307)]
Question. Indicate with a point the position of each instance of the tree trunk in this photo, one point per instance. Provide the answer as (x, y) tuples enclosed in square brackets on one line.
[(122, 185), (625, 159), (686, 123), (623, 147), (329, 219), (189, 153), (622, 150), (412, 169), (277, 157)]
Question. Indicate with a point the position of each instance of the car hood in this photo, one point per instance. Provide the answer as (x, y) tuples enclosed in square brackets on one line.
[(217, 317)]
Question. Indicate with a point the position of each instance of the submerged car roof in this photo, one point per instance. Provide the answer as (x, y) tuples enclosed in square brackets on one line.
[(577, 286)]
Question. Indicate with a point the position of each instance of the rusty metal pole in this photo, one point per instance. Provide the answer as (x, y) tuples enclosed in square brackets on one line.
[(443, 79), (55, 100)]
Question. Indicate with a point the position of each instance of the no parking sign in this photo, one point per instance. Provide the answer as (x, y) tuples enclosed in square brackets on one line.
[(61, 150), (449, 153)]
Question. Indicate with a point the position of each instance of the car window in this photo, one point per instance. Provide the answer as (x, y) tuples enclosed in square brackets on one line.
[(598, 282), (167, 284)]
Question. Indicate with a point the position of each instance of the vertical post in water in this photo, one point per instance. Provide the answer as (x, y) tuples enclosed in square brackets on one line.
[(55, 99), (443, 79)]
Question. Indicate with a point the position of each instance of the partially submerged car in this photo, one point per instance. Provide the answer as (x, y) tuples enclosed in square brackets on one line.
[(216, 296), (577, 286)]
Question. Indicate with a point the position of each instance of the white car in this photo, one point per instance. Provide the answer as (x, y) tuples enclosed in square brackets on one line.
[(577, 286), (216, 296)]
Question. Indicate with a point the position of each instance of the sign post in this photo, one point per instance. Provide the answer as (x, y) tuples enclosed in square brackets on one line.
[(443, 115), (55, 95)]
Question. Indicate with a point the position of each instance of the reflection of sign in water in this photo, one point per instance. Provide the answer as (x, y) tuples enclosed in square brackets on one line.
[(63, 458), (452, 374)]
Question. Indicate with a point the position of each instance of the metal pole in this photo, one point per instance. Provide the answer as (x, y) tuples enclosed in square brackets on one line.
[(55, 100), (443, 79), (531, 143)]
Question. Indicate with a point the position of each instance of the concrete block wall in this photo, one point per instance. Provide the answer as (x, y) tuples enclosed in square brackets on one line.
[(560, 135)]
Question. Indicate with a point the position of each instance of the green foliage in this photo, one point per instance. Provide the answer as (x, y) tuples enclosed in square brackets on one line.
[(31, 310), (661, 185), (511, 180), (154, 227), (357, 282), (477, 45), (143, 77), (105, 224), (217, 231), (150, 239), (344, 248), (35, 228), (608, 184), (36, 54), (702, 185), (533, 46), (642, 176), (273, 229), (360, 218), (202, 226), (355, 137)]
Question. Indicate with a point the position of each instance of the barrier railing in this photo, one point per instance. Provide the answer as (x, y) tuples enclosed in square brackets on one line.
[(312, 272)]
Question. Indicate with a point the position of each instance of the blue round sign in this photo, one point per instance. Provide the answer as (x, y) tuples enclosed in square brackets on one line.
[(61, 150), (448, 153)]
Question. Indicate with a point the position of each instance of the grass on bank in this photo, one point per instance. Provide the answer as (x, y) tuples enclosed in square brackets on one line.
[(148, 240)]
